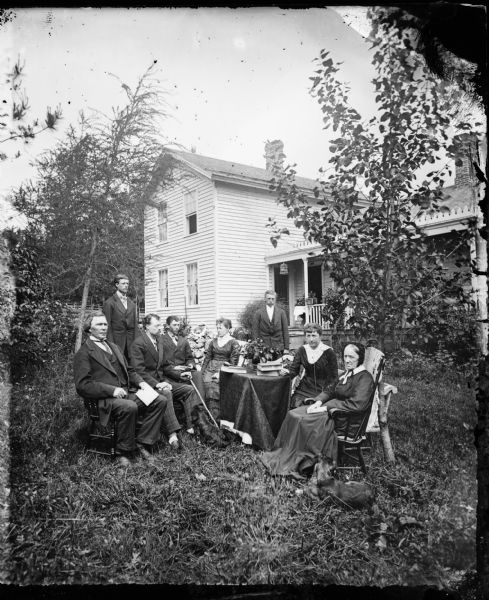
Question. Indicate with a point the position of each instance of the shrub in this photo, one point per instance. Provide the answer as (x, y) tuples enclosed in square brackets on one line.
[(448, 335), (42, 328)]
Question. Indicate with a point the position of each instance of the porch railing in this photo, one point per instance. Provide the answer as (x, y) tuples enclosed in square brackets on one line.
[(314, 314)]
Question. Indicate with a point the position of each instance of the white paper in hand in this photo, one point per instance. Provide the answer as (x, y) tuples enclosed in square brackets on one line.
[(147, 395), (316, 409)]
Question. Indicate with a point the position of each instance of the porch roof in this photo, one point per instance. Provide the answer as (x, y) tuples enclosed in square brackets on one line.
[(292, 251), (459, 208)]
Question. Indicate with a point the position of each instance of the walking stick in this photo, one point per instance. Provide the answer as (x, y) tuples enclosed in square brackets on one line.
[(202, 400)]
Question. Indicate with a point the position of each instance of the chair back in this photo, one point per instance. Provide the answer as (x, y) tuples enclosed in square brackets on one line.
[(92, 408), (374, 363)]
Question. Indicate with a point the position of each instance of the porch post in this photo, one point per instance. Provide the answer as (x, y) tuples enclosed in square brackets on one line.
[(292, 295), (268, 277), (306, 287)]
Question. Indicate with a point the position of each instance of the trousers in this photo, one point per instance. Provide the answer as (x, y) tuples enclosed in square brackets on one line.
[(125, 411)]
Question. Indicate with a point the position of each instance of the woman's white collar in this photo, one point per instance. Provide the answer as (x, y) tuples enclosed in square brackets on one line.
[(314, 353)]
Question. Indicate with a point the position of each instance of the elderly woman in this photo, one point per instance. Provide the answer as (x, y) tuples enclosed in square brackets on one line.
[(222, 349), (308, 432), (320, 367)]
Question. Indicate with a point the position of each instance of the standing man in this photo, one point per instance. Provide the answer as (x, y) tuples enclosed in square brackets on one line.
[(102, 373), (120, 312), (270, 324)]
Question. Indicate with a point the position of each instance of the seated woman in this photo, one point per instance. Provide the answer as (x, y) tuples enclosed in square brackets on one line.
[(222, 349), (308, 432), (320, 367)]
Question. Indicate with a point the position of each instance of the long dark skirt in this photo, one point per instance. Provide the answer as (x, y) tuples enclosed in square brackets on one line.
[(301, 441)]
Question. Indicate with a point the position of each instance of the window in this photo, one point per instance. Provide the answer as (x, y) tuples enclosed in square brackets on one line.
[(162, 222), (192, 284), (163, 288), (190, 205)]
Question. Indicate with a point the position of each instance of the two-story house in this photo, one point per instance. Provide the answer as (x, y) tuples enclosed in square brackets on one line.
[(208, 251)]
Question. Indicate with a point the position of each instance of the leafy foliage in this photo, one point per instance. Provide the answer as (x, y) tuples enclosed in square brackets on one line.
[(18, 128), (334, 307), (87, 204), (364, 211), (42, 328)]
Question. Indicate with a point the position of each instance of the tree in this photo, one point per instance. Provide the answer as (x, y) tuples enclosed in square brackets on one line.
[(13, 126), (364, 214), (88, 200), (18, 128)]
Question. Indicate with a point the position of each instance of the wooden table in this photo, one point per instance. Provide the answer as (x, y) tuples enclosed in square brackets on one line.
[(256, 404)]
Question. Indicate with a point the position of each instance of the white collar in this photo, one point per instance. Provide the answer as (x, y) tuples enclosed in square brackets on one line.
[(121, 296), (222, 341), (269, 310), (313, 354), (347, 374), (103, 343)]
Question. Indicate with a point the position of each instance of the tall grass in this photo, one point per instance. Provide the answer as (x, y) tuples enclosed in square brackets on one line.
[(213, 516)]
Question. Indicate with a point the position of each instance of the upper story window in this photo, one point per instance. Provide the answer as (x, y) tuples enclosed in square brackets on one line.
[(192, 284), (190, 207), (162, 222)]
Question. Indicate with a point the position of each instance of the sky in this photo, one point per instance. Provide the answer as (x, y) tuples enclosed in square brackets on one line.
[(235, 77)]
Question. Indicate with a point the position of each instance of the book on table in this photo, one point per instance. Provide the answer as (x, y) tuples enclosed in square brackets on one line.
[(233, 369), (271, 365)]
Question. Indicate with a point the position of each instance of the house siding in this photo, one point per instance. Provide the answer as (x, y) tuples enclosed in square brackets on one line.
[(242, 242), (181, 249)]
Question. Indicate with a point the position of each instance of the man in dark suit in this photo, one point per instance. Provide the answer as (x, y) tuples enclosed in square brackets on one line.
[(149, 361), (178, 352), (120, 312), (270, 324), (102, 373), (158, 370)]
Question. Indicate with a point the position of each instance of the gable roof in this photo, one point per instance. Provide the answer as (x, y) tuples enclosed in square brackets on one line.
[(455, 198), (233, 172)]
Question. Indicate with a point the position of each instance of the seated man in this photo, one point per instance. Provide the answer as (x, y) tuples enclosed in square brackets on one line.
[(178, 352), (102, 373), (150, 361)]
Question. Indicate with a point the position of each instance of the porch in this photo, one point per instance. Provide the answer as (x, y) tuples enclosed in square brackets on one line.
[(298, 276)]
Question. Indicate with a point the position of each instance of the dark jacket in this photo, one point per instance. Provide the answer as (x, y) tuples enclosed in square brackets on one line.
[(122, 322), (152, 366), (96, 379), (351, 397), (180, 354), (274, 334)]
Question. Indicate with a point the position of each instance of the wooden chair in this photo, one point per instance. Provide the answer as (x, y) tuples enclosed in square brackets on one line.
[(101, 440), (355, 439)]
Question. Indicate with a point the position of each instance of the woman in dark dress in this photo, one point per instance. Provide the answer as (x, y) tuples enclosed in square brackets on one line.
[(320, 367), (222, 349), (308, 432)]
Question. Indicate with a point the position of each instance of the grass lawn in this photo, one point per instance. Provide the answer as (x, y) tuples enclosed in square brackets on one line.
[(213, 516)]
